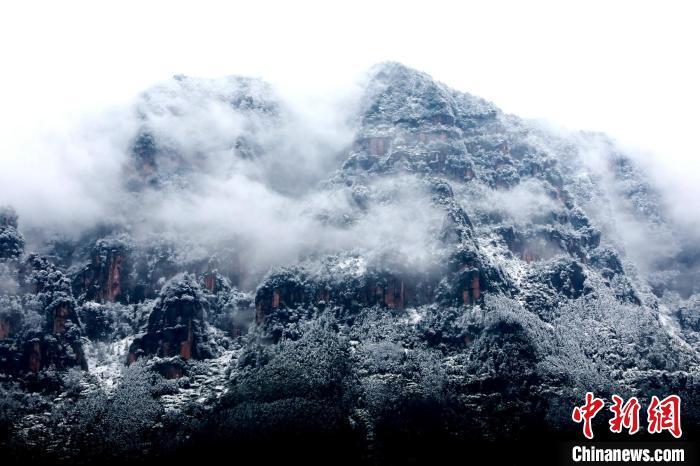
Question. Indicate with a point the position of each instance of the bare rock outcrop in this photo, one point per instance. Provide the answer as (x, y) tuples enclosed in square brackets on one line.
[(176, 326)]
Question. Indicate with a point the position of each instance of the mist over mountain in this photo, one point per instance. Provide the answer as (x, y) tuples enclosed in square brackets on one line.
[(216, 267)]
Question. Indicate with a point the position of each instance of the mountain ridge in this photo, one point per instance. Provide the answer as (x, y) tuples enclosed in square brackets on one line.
[(446, 271)]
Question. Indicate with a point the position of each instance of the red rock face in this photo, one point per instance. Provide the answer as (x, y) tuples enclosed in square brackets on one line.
[(273, 302), (103, 277), (35, 358), (186, 346), (173, 372), (472, 294), (425, 138), (394, 294), (210, 281), (476, 288), (390, 291), (59, 320), (186, 350), (4, 329), (389, 298), (112, 288), (378, 146)]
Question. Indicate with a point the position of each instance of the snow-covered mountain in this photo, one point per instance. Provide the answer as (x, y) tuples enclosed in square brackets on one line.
[(424, 271)]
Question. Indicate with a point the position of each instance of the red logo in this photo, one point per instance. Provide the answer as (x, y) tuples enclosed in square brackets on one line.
[(661, 415), (587, 412), (626, 415), (665, 415)]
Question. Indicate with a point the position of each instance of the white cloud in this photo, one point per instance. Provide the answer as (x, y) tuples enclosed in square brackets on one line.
[(626, 67)]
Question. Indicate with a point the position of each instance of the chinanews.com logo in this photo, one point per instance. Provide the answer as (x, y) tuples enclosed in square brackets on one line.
[(629, 417)]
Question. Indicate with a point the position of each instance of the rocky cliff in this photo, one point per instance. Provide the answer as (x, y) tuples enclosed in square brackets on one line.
[(459, 275)]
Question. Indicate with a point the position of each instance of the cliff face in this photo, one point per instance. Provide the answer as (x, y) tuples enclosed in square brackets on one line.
[(105, 278), (39, 327), (176, 326), (465, 275)]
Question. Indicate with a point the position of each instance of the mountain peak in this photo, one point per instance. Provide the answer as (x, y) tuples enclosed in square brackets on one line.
[(439, 262), (398, 94)]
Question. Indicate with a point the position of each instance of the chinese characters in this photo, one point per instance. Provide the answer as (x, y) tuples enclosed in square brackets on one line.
[(662, 415)]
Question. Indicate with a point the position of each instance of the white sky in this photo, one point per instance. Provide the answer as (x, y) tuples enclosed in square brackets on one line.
[(629, 68)]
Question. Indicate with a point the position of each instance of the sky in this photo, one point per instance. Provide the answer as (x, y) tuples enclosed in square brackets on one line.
[(628, 68)]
